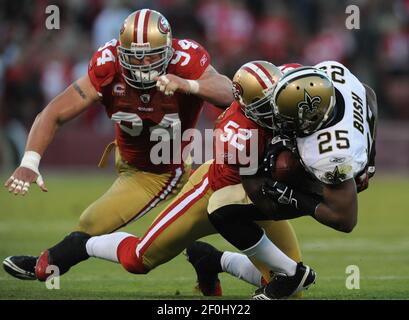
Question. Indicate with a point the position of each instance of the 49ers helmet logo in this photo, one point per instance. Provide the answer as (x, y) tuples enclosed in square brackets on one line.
[(237, 91), (163, 25)]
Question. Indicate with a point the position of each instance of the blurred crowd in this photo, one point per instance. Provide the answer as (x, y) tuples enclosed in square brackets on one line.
[(36, 64)]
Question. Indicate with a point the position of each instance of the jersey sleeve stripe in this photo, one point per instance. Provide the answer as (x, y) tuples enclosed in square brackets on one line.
[(255, 75), (145, 27)]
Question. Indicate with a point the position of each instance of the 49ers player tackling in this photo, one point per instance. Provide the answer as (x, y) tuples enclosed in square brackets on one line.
[(145, 80), (247, 121)]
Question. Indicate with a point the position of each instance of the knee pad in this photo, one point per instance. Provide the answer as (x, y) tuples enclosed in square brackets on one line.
[(126, 253)]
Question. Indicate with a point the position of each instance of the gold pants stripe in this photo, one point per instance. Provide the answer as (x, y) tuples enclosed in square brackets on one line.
[(172, 213), (168, 188), (133, 194), (181, 224)]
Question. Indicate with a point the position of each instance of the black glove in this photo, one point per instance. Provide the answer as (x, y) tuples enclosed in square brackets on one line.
[(291, 203), (274, 147)]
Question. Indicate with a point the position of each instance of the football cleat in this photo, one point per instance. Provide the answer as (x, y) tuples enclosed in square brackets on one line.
[(64, 255), (283, 286), (42, 265), (21, 267), (206, 261)]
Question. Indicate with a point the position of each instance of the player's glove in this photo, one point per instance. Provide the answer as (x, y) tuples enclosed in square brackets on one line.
[(273, 149), (362, 181), (291, 203)]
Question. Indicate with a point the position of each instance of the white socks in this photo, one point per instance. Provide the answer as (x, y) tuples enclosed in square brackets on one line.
[(106, 246), (240, 266), (267, 252)]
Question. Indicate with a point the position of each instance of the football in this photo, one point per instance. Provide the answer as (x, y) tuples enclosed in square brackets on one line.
[(287, 168)]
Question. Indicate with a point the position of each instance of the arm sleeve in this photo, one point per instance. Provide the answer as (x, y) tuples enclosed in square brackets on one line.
[(190, 59), (102, 67)]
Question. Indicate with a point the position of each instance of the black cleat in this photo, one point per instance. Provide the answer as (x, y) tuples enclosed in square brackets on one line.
[(206, 260), (283, 286), (21, 267)]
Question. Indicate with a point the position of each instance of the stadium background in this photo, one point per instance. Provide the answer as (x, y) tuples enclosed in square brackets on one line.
[(36, 64)]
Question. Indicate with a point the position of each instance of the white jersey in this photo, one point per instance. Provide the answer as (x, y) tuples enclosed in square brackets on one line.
[(341, 151)]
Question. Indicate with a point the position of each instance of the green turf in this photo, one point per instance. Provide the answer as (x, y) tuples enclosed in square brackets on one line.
[(379, 246)]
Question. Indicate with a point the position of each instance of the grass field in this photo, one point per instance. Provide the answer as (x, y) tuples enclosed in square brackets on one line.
[(379, 246)]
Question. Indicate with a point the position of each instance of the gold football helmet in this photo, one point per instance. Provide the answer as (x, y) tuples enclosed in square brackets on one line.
[(145, 33), (303, 101), (253, 86)]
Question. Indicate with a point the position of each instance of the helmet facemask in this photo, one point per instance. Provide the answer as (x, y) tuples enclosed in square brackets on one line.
[(285, 126), (143, 76), (147, 38), (260, 111)]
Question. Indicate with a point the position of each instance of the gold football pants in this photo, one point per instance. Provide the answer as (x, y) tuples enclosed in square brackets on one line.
[(185, 220), (132, 195)]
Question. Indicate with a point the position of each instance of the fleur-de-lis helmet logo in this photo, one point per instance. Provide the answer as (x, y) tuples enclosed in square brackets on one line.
[(309, 104)]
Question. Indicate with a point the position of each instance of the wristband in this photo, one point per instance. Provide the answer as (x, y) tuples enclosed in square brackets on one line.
[(31, 160), (193, 86)]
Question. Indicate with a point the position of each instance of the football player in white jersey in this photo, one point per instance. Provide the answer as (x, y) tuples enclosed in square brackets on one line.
[(327, 117)]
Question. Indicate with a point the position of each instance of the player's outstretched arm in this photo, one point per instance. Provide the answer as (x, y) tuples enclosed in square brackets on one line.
[(67, 105), (215, 88), (211, 86)]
